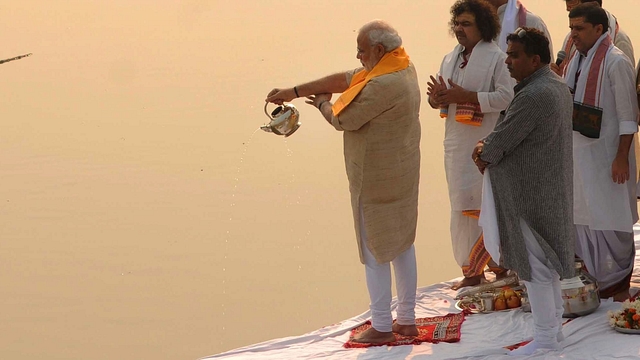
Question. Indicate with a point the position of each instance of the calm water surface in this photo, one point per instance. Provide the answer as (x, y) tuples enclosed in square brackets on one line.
[(141, 215)]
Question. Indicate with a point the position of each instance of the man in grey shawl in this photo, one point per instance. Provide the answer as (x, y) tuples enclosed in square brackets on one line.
[(529, 157)]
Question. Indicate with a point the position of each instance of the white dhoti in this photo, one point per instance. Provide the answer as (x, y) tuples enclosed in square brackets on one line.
[(608, 255), (378, 278), (465, 233)]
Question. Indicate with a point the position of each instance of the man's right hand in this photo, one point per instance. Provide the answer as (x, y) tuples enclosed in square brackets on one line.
[(434, 90), (279, 96), (475, 156)]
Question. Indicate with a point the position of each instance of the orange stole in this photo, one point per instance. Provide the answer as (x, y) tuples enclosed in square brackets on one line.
[(479, 256), (392, 61)]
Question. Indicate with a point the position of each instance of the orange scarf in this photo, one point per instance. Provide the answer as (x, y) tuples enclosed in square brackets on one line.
[(393, 61)]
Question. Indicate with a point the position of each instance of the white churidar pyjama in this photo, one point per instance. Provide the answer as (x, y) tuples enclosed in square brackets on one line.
[(608, 255), (544, 291), (379, 285)]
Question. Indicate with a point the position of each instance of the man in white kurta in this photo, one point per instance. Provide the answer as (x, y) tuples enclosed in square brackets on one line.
[(604, 167), (513, 14), (473, 73)]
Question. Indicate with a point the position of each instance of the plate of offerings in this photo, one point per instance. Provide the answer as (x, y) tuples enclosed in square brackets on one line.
[(504, 299), (505, 294), (627, 319)]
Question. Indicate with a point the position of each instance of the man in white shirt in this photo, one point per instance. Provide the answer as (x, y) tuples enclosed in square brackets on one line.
[(620, 38), (604, 122), (513, 14)]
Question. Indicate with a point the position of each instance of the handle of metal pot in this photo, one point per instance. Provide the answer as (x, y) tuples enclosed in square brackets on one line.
[(265, 110)]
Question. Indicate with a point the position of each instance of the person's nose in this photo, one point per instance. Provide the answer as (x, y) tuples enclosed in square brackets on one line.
[(574, 34)]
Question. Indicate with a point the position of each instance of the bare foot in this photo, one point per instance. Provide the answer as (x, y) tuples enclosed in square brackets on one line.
[(406, 330), (373, 336), (468, 281)]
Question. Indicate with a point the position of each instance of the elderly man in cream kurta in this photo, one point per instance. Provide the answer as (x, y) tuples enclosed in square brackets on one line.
[(378, 113)]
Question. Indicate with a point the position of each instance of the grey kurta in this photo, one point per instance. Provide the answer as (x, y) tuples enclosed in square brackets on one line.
[(531, 162), (382, 158)]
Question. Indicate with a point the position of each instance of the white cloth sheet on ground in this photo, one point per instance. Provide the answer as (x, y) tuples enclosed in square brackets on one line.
[(483, 335)]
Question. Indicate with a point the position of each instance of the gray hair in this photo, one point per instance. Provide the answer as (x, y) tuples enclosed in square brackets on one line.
[(382, 33)]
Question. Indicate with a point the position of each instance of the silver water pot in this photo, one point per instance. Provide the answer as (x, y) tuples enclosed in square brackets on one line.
[(580, 294), (283, 120)]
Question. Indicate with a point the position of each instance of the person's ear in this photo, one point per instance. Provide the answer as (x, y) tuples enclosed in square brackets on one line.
[(379, 50), (536, 61), (600, 28)]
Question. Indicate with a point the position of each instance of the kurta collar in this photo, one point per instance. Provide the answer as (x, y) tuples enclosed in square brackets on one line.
[(543, 71)]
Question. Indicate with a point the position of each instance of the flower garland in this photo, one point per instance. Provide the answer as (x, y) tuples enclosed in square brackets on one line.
[(628, 317)]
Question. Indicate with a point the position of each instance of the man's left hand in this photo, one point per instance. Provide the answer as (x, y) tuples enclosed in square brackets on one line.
[(315, 100), (620, 169), (456, 94)]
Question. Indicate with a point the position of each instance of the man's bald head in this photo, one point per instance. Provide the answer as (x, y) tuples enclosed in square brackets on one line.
[(380, 32)]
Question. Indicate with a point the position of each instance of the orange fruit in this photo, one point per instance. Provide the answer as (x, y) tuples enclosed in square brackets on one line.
[(513, 302), (500, 304)]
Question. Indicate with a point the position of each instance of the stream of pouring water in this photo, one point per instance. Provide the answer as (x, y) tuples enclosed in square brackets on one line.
[(301, 239), (232, 204), (290, 201)]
